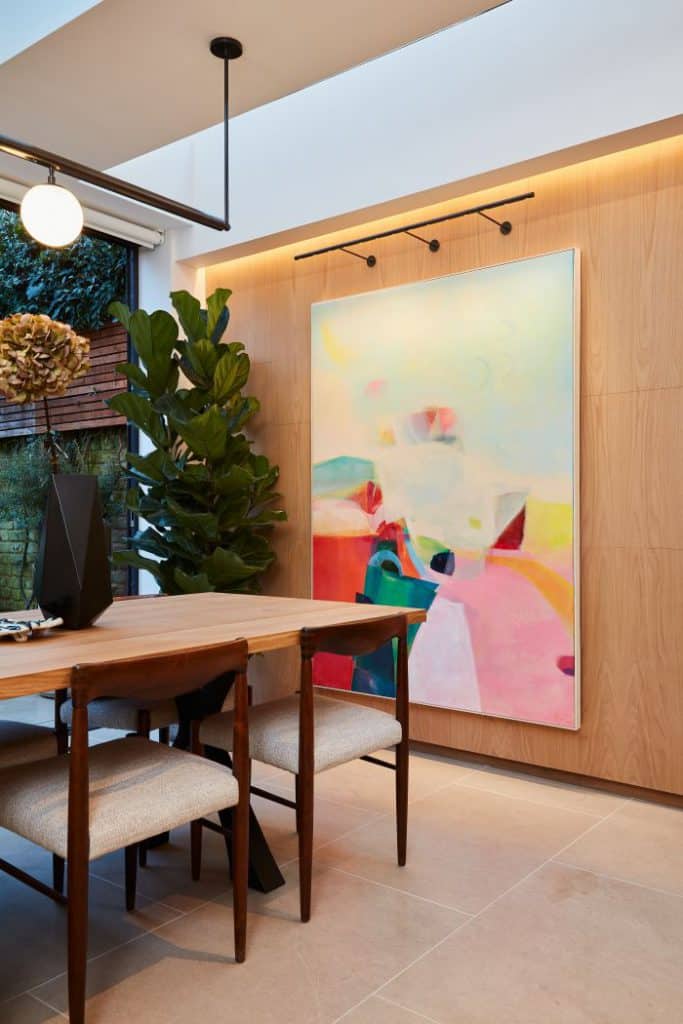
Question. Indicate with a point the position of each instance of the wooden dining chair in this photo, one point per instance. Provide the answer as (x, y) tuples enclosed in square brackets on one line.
[(118, 794), (128, 714), (307, 733), (24, 743)]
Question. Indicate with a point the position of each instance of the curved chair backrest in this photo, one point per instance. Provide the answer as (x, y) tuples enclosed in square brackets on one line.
[(356, 638), (157, 676)]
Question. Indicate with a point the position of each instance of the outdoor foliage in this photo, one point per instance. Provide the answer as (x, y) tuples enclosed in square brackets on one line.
[(74, 285), (209, 501)]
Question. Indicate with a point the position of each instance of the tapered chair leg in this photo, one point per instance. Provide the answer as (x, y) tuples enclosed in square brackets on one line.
[(402, 762), (165, 735), (131, 876), (58, 874), (298, 805), (305, 817), (196, 849), (142, 855), (77, 862), (240, 878), (78, 937)]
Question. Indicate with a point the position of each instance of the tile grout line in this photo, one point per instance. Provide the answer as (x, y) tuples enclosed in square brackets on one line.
[(474, 917), (618, 878), (138, 893), (542, 803), (400, 892), (284, 791), (43, 1002), (120, 945), (416, 1013)]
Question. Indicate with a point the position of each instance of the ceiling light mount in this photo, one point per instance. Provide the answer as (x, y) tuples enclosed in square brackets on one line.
[(226, 48)]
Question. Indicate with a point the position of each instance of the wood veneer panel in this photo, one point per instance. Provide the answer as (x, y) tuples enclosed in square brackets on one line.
[(625, 214)]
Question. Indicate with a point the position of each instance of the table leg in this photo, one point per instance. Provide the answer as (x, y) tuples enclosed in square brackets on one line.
[(264, 874)]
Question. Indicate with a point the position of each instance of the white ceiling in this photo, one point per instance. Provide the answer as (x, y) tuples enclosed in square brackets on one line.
[(128, 76)]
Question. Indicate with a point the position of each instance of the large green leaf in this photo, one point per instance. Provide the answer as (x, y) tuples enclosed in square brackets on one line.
[(206, 434), (190, 315), (217, 314), (203, 523), (189, 584), (229, 375), (157, 466), (135, 375), (199, 362), (154, 339), (225, 567), (120, 311), (136, 561), (236, 480), (140, 412)]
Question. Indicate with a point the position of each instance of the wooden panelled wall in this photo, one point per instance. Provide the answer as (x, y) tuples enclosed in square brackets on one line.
[(625, 214)]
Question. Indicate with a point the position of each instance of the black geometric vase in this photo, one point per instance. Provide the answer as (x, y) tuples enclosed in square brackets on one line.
[(73, 578)]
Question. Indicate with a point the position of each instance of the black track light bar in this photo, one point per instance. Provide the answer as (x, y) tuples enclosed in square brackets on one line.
[(223, 47), (409, 229)]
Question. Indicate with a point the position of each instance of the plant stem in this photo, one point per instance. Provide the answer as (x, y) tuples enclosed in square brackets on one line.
[(50, 441)]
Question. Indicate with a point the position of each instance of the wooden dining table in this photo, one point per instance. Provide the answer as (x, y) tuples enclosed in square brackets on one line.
[(166, 624)]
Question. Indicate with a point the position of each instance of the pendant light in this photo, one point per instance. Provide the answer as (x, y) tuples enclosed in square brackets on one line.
[(52, 214)]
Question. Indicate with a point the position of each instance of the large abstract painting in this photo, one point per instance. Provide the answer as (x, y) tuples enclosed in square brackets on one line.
[(444, 446)]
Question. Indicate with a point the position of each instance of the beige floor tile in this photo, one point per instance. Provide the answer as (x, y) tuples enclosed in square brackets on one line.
[(38, 925), (465, 846), (167, 877), (330, 822), (543, 791), (364, 785), (360, 935), (565, 947), (641, 843), (379, 1011)]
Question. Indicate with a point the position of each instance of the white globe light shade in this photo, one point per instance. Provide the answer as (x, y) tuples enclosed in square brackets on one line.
[(52, 215)]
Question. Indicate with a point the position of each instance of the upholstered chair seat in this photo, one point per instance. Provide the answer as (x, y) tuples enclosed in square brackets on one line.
[(21, 743), (137, 789), (343, 731)]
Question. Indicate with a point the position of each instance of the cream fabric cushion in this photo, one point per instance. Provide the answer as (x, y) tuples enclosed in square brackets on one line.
[(342, 731), (138, 788), (21, 743), (122, 713)]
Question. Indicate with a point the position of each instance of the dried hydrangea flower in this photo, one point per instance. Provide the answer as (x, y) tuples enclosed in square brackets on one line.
[(39, 357)]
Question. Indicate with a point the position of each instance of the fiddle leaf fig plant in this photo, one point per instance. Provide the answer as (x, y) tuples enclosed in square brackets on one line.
[(208, 502)]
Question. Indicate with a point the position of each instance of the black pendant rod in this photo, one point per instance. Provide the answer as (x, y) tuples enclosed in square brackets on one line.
[(409, 228), (226, 49)]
